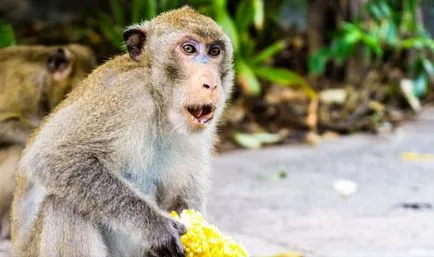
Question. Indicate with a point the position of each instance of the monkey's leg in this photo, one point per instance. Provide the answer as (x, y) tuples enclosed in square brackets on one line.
[(60, 232)]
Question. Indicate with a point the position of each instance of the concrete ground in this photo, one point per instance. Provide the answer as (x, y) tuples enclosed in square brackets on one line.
[(391, 214)]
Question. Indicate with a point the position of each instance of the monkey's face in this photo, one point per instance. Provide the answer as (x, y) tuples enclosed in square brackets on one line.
[(190, 60), (66, 66), (198, 91)]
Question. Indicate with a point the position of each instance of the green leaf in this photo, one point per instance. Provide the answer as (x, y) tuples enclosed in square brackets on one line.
[(143, 10), (341, 50), (118, 12), (373, 43), (150, 9), (247, 79), (7, 37), (409, 22), (110, 30), (420, 85), (267, 138), (392, 36), (385, 9), (255, 140), (220, 4), (224, 19), (137, 11), (247, 141), (248, 47), (269, 52), (284, 77), (258, 10), (374, 10), (172, 4), (428, 66), (418, 43), (343, 46), (206, 10), (318, 61), (410, 6), (413, 43), (243, 16), (352, 37), (408, 90)]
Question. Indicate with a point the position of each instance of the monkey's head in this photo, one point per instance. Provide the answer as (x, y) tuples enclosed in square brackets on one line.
[(190, 61), (66, 66)]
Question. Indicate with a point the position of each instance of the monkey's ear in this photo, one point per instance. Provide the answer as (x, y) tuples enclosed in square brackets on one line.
[(134, 39)]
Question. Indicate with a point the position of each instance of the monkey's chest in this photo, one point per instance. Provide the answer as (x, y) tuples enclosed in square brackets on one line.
[(146, 181), (148, 173)]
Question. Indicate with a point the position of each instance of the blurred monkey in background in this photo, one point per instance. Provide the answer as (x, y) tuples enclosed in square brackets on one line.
[(33, 80)]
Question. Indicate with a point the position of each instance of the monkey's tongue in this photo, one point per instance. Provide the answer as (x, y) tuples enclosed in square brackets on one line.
[(202, 113), (197, 113)]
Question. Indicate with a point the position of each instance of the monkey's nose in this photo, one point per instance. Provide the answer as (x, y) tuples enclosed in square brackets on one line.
[(206, 86)]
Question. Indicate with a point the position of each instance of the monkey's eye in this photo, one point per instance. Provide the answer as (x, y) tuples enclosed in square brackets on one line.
[(214, 51), (188, 49)]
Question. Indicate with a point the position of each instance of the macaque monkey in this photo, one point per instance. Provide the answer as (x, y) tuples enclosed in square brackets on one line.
[(33, 80), (131, 143)]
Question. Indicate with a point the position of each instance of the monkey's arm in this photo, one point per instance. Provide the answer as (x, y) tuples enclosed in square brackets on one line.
[(14, 129), (89, 188)]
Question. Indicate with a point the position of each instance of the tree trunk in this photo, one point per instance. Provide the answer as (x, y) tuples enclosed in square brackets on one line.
[(317, 22)]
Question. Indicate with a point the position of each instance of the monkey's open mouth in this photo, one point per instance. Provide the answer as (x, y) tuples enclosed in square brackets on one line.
[(202, 113)]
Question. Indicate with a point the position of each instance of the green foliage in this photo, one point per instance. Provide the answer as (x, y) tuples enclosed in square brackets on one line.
[(112, 25), (255, 140), (392, 28), (7, 37)]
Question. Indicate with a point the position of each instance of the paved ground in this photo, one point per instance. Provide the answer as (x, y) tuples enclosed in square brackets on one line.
[(304, 213)]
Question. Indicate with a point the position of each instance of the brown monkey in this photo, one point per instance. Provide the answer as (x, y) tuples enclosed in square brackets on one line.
[(33, 79), (130, 143)]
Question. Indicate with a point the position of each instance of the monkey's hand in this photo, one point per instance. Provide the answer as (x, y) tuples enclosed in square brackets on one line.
[(164, 238)]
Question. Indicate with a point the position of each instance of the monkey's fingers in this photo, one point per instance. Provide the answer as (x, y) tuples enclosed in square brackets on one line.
[(179, 248), (172, 249), (166, 252), (180, 228), (162, 252)]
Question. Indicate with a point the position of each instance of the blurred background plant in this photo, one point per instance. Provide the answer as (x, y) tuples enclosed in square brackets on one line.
[(307, 70), (125, 13), (7, 37), (387, 32)]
